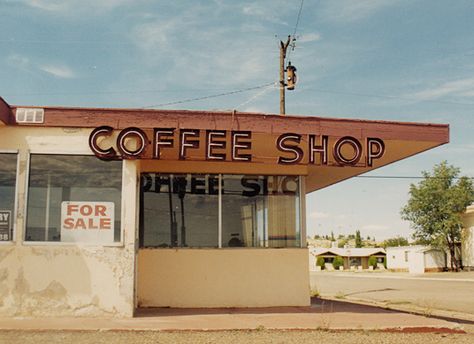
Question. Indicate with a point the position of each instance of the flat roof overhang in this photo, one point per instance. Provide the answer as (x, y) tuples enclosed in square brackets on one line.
[(402, 139)]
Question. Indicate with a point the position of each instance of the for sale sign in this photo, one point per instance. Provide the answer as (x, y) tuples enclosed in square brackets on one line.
[(5, 225), (90, 222)]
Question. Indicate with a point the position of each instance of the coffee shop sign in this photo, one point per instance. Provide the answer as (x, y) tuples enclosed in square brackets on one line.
[(236, 145)]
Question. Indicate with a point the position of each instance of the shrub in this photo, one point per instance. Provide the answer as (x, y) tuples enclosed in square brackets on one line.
[(320, 262), (337, 262), (373, 261)]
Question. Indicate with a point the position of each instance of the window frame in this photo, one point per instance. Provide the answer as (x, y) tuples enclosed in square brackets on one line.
[(120, 243), (15, 200)]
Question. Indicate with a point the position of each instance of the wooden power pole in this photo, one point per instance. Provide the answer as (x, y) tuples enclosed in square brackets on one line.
[(283, 47)]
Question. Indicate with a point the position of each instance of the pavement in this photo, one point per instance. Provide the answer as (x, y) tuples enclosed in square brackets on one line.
[(446, 295), (321, 315)]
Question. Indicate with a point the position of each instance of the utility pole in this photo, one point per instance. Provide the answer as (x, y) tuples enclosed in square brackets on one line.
[(283, 47)]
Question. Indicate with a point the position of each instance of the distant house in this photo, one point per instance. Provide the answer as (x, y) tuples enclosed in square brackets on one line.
[(468, 239), (354, 258), (416, 259)]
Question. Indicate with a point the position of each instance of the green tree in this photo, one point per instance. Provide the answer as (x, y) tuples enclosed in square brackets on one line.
[(394, 242), (373, 262), (332, 236), (435, 207), (320, 262), (358, 239), (337, 262), (341, 243)]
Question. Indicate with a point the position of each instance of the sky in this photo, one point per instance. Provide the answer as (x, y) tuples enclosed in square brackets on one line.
[(398, 60)]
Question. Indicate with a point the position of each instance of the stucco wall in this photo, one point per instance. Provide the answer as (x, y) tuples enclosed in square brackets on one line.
[(420, 259), (58, 279), (396, 258), (468, 238), (435, 259), (223, 277)]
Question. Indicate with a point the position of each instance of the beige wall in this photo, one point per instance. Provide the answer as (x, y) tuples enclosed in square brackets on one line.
[(468, 238), (63, 279), (58, 279), (236, 277)]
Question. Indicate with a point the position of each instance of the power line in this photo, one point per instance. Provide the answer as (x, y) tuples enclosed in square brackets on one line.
[(298, 18), (209, 96), (257, 95), (357, 94), (409, 177), (114, 92), (296, 28)]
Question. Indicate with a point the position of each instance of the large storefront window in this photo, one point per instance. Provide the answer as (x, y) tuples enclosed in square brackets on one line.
[(179, 210), (8, 164), (193, 211), (73, 198)]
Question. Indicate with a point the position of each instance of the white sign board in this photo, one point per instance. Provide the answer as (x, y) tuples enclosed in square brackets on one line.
[(5, 224), (89, 222)]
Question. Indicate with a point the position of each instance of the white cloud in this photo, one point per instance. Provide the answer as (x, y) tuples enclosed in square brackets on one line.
[(374, 228), (319, 215), (72, 6), (462, 87), (47, 5), (260, 10), (18, 61), (62, 72), (354, 10), (309, 37)]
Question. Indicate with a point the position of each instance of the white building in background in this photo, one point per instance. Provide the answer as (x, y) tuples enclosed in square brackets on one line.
[(416, 259), (468, 239)]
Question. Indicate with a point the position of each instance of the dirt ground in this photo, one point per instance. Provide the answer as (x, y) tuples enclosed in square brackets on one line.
[(254, 336)]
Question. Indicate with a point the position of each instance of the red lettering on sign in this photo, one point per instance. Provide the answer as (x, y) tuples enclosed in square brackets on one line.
[(69, 223), (105, 223), (91, 224), (80, 224), (100, 210), (86, 210), (71, 208)]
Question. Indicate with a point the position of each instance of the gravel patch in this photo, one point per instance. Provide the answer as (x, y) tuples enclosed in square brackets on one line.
[(238, 337)]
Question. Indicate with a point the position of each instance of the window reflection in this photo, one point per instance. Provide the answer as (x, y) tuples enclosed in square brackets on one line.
[(182, 210), (54, 179)]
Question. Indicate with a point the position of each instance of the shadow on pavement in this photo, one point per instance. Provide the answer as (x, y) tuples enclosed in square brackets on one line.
[(317, 306)]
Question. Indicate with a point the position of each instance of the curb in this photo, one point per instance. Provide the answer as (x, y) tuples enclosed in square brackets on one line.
[(412, 309)]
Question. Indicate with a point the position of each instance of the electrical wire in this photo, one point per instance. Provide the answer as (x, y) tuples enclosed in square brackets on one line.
[(298, 18), (259, 94), (294, 32), (209, 96), (408, 177), (357, 94)]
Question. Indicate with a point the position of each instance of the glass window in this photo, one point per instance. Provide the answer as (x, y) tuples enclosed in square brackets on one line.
[(73, 198), (260, 211), (179, 210), (183, 211), (8, 163)]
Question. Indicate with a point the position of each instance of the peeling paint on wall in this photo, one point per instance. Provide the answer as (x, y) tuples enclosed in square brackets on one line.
[(57, 279)]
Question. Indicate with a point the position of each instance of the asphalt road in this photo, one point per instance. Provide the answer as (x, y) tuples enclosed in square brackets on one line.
[(445, 292)]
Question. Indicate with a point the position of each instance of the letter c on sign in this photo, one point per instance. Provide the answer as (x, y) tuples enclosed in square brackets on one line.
[(129, 133), (104, 154)]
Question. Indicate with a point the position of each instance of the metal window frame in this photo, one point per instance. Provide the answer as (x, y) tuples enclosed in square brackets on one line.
[(13, 240), (120, 243)]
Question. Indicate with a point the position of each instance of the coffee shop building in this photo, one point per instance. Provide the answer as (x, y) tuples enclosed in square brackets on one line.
[(105, 211)]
